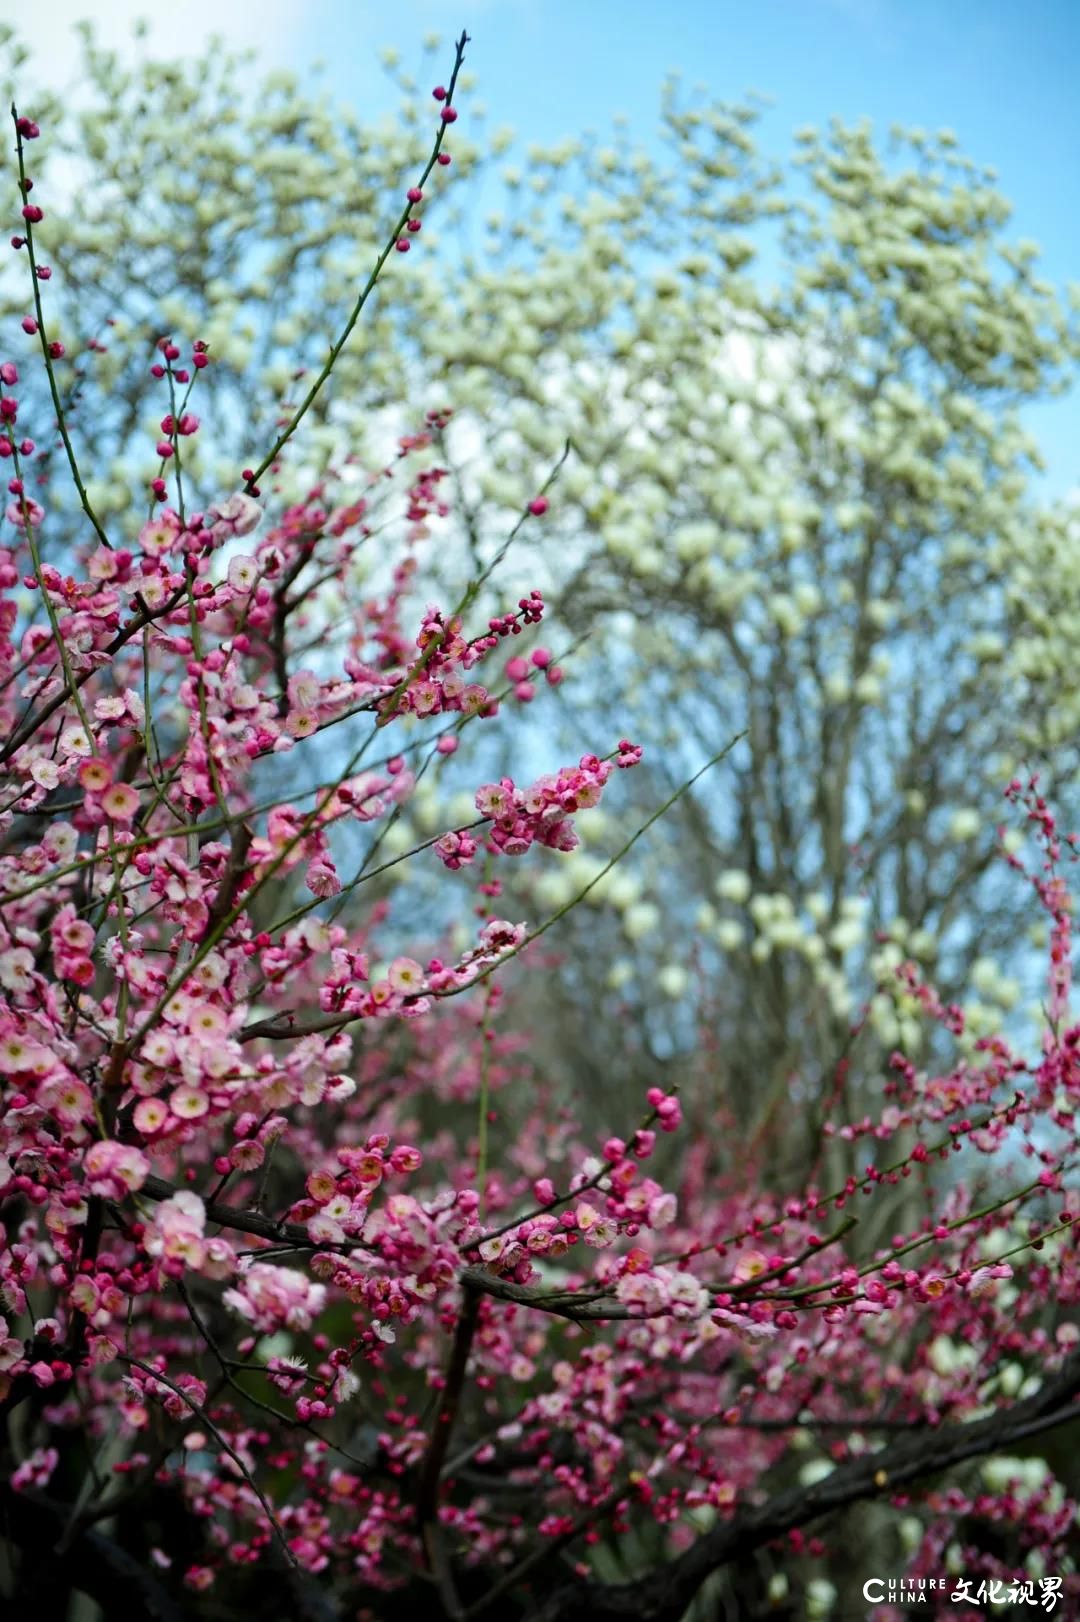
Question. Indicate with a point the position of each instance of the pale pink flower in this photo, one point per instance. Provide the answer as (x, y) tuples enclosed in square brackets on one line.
[(274, 1298)]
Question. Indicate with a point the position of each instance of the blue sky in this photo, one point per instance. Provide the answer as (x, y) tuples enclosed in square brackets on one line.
[(1002, 73)]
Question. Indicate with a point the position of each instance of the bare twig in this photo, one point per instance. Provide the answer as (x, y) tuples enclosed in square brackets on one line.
[(225, 1445)]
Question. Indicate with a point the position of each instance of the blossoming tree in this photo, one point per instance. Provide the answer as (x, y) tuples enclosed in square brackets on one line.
[(290, 1319), (801, 501)]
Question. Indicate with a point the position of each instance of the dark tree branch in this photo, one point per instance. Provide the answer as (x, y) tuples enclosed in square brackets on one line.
[(663, 1596), (93, 1564), (235, 868), (427, 1494), (581, 1308), (264, 1227)]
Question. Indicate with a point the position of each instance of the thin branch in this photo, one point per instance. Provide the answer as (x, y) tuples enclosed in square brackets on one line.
[(369, 286), (46, 355), (226, 1447), (227, 1216), (579, 1308)]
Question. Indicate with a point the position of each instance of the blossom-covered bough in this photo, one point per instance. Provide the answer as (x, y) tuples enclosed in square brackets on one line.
[(289, 1318)]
